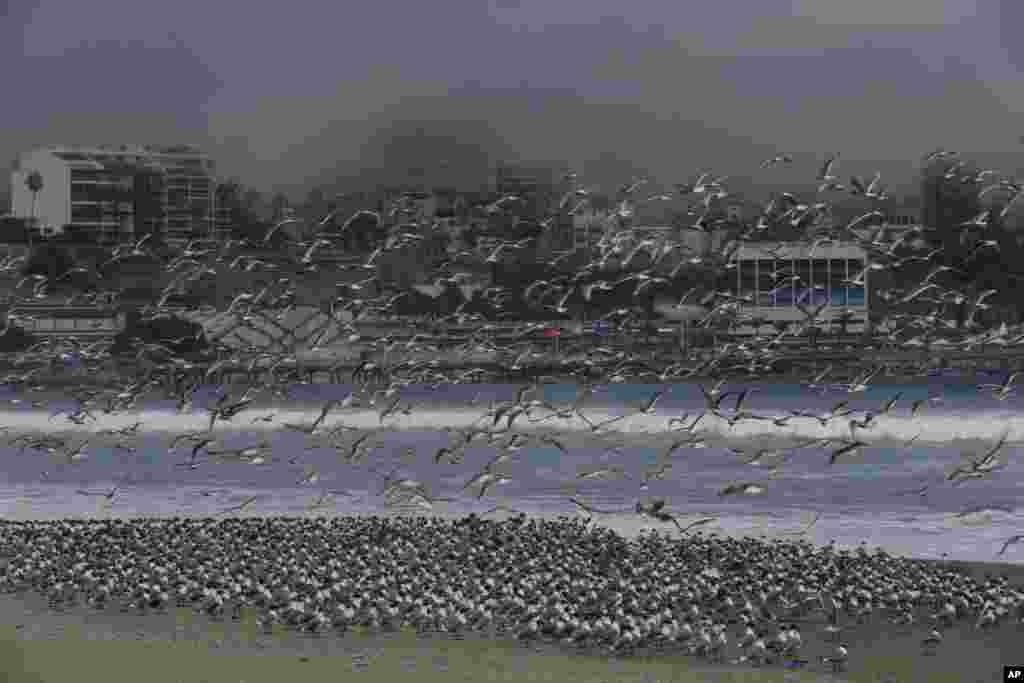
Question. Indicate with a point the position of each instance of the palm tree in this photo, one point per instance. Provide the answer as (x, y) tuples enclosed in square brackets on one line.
[(34, 183)]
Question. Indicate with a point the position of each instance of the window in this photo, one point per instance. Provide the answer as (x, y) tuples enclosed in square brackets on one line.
[(766, 282), (817, 274), (86, 213), (747, 280), (801, 286), (83, 174), (82, 192)]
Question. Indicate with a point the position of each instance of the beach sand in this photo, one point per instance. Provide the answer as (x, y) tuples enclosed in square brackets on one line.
[(37, 644)]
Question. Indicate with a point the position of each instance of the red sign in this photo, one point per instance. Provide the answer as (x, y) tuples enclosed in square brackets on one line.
[(553, 332)]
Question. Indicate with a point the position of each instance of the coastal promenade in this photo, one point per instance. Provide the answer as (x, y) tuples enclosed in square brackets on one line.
[(362, 363)]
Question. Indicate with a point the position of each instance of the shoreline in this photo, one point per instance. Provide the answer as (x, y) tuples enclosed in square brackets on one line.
[(119, 371), (199, 644), (109, 380), (631, 531)]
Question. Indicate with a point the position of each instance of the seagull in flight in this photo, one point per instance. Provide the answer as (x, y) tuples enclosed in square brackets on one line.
[(825, 173), (241, 506), (649, 406), (778, 159), (486, 480), (747, 488), (656, 510), (596, 427), (816, 381), (108, 495), (1017, 538), (679, 423), (548, 439), (979, 467), (848, 448), (713, 397), (1003, 389), (596, 511), (604, 473), (310, 428), (860, 384)]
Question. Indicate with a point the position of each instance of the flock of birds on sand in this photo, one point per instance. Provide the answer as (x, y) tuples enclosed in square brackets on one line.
[(565, 580), (561, 581)]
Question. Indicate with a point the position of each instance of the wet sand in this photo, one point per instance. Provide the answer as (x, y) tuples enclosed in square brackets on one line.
[(878, 651)]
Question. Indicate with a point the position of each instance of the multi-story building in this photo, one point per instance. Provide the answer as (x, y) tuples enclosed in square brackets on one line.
[(109, 194)]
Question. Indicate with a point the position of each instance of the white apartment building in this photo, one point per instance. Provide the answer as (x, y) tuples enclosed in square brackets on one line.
[(109, 194)]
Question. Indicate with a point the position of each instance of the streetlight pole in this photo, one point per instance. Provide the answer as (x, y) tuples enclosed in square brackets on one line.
[(214, 188)]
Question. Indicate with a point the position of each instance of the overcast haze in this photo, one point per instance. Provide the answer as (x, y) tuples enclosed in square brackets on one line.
[(289, 94)]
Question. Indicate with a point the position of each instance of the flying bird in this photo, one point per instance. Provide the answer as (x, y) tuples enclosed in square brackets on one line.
[(1017, 538), (747, 488), (848, 448)]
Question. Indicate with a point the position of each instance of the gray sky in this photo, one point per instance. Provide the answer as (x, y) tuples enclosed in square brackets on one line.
[(287, 94)]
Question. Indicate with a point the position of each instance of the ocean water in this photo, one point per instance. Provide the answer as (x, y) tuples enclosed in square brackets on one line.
[(867, 499)]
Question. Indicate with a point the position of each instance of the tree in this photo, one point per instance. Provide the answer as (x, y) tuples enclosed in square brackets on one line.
[(34, 183), (279, 203), (252, 200), (177, 333), (51, 260), (242, 206), (146, 196), (315, 198), (949, 197)]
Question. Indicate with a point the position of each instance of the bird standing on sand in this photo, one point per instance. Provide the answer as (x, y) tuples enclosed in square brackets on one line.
[(838, 659)]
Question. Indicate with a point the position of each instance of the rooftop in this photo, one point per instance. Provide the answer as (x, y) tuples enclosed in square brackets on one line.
[(799, 250)]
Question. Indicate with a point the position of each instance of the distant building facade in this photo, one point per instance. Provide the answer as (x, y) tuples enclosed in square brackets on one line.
[(57, 320), (109, 194), (590, 226), (903, 212), (538, 184), (825, 280)]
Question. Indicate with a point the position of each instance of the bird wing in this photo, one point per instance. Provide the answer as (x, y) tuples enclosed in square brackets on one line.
[(588, 508)]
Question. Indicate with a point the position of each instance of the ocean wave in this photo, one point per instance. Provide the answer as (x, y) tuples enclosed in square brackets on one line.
[(941, 428)]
